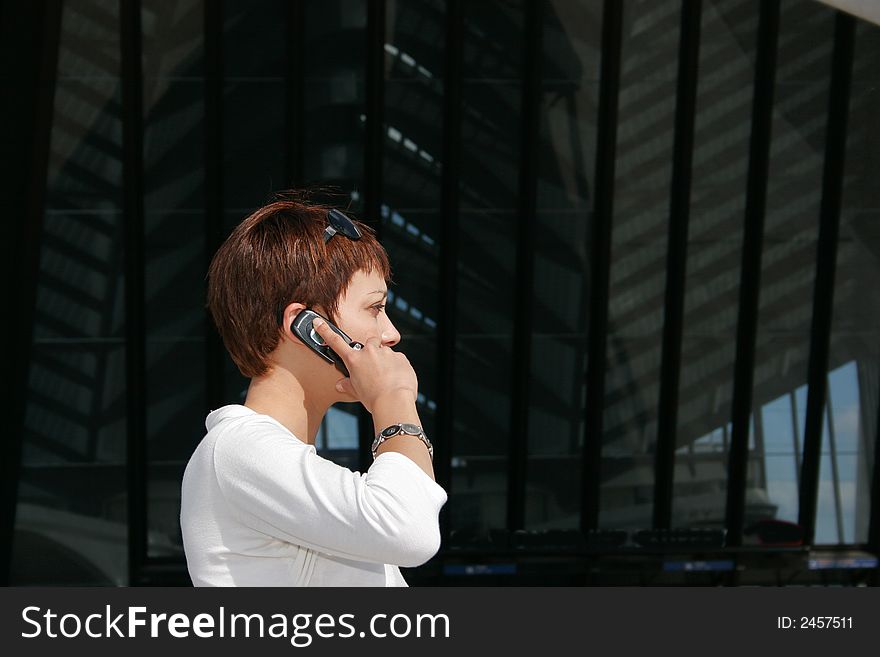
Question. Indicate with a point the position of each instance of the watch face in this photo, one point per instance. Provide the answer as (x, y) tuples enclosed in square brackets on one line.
[(411, 428), (390, 431)]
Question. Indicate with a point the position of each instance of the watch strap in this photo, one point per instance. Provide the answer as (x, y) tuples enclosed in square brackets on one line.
[(404, 429)]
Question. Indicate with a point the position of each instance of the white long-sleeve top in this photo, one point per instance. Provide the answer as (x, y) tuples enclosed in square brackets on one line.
[(259, 507)]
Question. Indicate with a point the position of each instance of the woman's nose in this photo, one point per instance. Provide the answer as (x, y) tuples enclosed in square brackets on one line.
[(390, 335)]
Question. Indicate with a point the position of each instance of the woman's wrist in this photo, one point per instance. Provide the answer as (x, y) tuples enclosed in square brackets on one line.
[(395, 407), (400, 408)]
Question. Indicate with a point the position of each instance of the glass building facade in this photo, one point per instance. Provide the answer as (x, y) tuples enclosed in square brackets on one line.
[(636, 255)]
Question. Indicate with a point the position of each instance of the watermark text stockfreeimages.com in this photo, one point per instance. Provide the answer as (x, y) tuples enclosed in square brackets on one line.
[(299, 629)]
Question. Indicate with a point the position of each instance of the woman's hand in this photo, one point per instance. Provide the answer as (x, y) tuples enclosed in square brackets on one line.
[(375, 371)]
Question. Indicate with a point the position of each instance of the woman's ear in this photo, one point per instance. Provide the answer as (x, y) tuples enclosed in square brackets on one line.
[(290, 313)]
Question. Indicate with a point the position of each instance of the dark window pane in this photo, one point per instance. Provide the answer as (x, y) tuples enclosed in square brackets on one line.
[(850, 435), (335, 51), (569, 96), (788, 261), (71, 520), (638, 261), (174, 258), (714, 254)]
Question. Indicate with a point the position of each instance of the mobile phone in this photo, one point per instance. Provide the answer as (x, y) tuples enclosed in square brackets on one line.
[(302, 328)]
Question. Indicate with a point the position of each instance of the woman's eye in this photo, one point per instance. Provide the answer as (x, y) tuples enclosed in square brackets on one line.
[(379, 307)]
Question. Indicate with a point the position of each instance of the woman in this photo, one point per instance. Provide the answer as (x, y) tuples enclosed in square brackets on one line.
[(259, 507)]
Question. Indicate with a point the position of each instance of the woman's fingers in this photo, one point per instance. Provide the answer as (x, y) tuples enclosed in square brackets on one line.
[(332, 339)]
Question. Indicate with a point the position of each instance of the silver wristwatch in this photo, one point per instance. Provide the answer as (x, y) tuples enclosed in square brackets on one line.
[(408, 429)]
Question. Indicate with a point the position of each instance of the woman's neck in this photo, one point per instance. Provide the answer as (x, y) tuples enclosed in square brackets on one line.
[(280, 395)]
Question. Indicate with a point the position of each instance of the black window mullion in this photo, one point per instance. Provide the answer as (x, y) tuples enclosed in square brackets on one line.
[(826, 262), (214, 215), (874, 523), (135, 331), (294, 92), (375, 113), (31, 34), (448, 255), (525, 265), (750, 274), (373, 163), (679, 216), (600, 261)]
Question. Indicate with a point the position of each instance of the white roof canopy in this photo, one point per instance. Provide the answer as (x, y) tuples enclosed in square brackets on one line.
[(866, 9)]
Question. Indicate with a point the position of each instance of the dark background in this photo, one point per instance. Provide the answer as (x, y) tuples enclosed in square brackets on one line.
[(636, 248)]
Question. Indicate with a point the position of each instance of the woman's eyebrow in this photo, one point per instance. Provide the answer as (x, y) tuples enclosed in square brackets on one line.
[(384, 293)]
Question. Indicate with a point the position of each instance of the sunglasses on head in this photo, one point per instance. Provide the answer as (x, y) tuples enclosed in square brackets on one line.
[(337, 222)]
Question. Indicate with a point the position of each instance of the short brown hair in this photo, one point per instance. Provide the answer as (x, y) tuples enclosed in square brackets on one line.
[(274, 257)]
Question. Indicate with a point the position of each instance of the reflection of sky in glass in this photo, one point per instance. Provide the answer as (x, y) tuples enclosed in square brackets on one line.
[(835, 516), (782, 486), (339, 430), (836, 507), (781, 450)]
